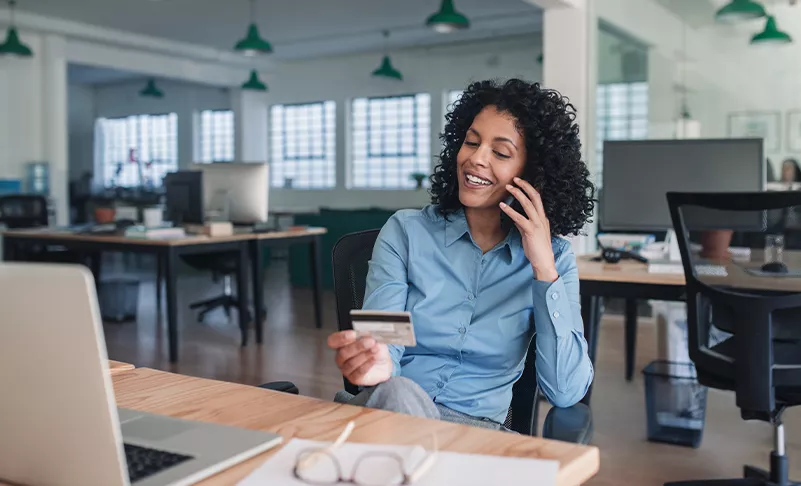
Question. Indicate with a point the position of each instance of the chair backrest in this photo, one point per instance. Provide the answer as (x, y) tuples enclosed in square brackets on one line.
[(23, 211), (350, 261), (740, 317), (351, 256)]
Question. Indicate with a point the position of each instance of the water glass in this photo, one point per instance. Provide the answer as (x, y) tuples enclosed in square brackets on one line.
[(774, 248)]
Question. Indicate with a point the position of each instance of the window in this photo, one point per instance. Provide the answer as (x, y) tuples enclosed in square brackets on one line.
[(216, 136), (622, 114), (454, 95), (139, 150), (303, 145), (391, 141)]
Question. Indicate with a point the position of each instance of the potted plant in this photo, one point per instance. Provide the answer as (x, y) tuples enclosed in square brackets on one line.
[(419, 178)]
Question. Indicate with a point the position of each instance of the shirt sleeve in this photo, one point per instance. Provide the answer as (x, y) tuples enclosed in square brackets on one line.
[(387, 278), (564, 370)]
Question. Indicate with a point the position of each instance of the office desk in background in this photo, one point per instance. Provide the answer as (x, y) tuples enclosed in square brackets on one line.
[(308, 418), (247, 245), (631, 280)]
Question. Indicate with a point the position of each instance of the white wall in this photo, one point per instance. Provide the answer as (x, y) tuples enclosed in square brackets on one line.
[(431, 70), (33, 114), (81, 106), (681, 57), (773, 73)]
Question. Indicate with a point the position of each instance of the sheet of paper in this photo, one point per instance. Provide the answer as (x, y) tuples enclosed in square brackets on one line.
[(449, 468)]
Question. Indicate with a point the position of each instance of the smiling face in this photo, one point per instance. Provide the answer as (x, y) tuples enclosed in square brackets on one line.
[(493, 153)]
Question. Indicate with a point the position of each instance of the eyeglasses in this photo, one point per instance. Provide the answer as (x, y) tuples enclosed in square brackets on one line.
[(321, 466)]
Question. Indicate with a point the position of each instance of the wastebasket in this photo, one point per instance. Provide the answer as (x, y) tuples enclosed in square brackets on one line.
[(675, 403), (118, 299)]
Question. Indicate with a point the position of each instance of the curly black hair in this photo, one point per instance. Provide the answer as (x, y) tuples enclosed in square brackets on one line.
[(546, 120)]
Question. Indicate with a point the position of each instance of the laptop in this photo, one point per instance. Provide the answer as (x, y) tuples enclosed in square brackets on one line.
[(59, 421)]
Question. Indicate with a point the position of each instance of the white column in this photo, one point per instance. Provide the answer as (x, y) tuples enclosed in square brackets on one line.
[(54, 121), (570, 33), (250, 125)]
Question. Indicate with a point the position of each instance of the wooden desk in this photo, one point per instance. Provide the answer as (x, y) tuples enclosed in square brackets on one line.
[(117, 367), (167, 253), (294, 416)]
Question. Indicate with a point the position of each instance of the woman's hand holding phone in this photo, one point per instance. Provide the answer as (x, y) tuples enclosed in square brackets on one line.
[(534, 228)]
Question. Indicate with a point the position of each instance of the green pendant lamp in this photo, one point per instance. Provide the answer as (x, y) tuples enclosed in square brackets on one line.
[(254, 83), (13, 45), (253, 43), (386, 69), (771, 34), (151, 91), (447, 20), (739, 10)]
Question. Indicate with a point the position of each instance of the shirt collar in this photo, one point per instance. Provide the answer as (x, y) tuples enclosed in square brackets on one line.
[(456, 227)]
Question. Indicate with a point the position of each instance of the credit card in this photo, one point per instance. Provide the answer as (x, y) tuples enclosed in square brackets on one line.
[(384, 326)]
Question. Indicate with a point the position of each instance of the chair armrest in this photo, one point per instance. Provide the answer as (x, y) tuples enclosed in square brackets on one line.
[(572, 424), (281, 386)]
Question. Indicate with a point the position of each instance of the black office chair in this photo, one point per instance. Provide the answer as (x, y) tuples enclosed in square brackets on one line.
[(221, 265), (351, 256), (760, 356)]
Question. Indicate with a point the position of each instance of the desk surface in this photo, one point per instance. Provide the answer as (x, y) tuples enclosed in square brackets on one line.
[(630, 271), (187, 241), (295, 416), (117, 367)]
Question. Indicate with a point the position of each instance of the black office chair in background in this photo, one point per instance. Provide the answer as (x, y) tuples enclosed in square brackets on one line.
[(221, 265), (351, 256), (760, 359)]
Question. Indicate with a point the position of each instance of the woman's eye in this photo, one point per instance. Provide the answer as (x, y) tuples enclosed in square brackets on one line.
[(471, 144), (503, 156)]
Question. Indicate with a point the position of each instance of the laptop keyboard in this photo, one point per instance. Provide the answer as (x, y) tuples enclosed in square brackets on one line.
[(144, 462)]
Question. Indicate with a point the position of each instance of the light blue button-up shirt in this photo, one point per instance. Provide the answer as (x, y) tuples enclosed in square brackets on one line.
[(475, 313)]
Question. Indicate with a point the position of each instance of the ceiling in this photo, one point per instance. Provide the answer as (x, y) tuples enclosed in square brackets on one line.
[(296, 28), (83, 74)]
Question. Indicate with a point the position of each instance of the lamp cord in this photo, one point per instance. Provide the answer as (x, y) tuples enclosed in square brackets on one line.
[(253, 11)]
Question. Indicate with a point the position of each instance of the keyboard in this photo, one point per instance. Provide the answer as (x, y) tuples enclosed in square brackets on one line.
[(144, 462)]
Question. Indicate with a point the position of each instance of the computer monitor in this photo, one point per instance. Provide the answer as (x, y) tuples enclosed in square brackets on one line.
[(237, 192), (637, 175), (184, 197)]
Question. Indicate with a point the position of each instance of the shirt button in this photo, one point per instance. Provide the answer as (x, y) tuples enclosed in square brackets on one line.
[(470, 296), (556, 314), (440, 384), (555, 295), (462, 330)]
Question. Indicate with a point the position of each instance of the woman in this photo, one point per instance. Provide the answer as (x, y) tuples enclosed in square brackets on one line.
[(480, 273), (791, 172)]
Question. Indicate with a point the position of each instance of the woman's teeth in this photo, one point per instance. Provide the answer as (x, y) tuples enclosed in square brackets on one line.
[(478, 180)]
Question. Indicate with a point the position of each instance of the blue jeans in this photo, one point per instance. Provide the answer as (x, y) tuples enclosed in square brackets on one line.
[(402, 395)]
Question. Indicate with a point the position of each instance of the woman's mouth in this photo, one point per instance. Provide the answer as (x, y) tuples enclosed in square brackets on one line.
[(472, 180)]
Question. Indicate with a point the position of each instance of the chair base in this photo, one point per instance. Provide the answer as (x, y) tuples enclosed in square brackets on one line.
[(226, 302)]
